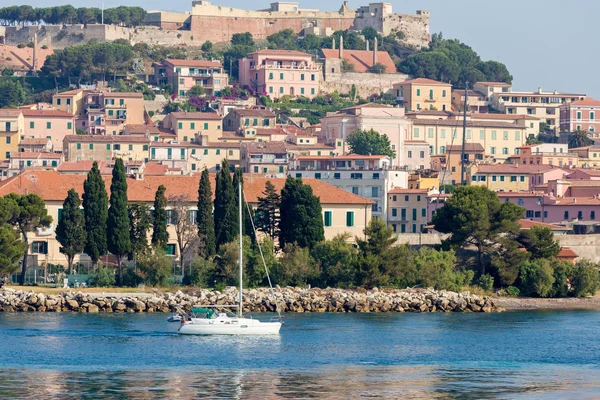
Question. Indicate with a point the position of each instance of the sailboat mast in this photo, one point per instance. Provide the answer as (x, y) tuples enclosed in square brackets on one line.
[(241, 245), (464, 137)]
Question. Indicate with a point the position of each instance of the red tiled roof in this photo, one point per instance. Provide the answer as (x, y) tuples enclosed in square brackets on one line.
[(566, 252), (265, 147), (423, 81), (9, 112), (125, 95), (501, 116), (193, 63), (345, 157), (513, 169), (53, 186), (457, 123), (407, 191), (282, 52), (34, 141), (32, 155), (106, 138), (585, 102), (254, 112), (46, 113), (197, 115), (494, 83), (528, 224), (142, 129), (468, 147), (362, 60)]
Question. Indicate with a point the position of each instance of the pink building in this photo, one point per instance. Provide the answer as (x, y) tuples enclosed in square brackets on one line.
[(185, 74), (580, 115), (280, 72), (546, 208)]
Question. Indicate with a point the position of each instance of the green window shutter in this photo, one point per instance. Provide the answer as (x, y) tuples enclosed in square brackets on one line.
[(31, 125), (185, 138), (78, 146), (281, 90), (270, 75), (108, 146), (145, 147), (328, 218), (121, 102), (281, 75), (349, 218), (312, 90), (270, 89), (110, 113), (60, 211), (192, 125), (169, 153), (69, 125), (418, 92), (218, 151), (205, 151), (49, 125), (130, 147), (301, 77), (180, 125), (91, 146), (281, 169), (182, 155), (255, 122), (54, 163), (312, 77), (301, 90), (206, 125), (153, 154)]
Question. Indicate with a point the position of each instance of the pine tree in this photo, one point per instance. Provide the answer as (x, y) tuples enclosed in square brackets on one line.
[(301, 219), (11, 245), (70, 232), (118, 240), (160, 236), (204, 217), (95, 212), (226, 211), (267, 219)]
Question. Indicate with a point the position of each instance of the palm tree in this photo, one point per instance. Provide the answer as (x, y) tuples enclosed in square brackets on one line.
[(579, 138)]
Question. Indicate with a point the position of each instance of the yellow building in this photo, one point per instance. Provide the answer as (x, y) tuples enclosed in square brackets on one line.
[(511, 177), (121, 109), (70, 101), (588, 157), (424, 94), (106, 147), (11, 129), (48, 124), (186, 125)]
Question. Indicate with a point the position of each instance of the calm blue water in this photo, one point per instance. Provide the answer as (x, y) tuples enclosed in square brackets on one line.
[(534, 355)]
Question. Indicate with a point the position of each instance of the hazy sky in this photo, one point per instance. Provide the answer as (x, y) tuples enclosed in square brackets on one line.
[(544, 43)]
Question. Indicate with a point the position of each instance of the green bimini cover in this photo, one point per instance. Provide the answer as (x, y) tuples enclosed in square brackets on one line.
[(209, 313)]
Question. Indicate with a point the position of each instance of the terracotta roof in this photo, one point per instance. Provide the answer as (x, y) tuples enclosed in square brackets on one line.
[(367, 105), (407, 191), (566, 252), (9, 112), (282, 52), (270, 131), (457, 122), (528, 224), (68, 93), (142, 129), (362, 60), (77, 166), (34, 154), (578, 201), (422, 81), (194, 63), (106, 138), (125, 95), (197, 115), (53, 186), (501, 116), (468, 147), (254, 112), (34, 141), (513, 169), (306, 147), (590, 172), (431, 112), (155, 169), (585, 102), (345, 157), (46, 113), (265, 148), (493, 83)]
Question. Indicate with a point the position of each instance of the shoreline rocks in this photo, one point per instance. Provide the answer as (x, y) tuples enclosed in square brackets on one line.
[(288, 299)]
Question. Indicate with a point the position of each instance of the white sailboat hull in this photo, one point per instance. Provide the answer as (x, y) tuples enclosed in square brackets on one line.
[(229, 326)]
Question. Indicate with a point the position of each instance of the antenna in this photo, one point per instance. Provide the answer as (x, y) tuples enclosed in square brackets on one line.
[(103, 13), (464, 138)]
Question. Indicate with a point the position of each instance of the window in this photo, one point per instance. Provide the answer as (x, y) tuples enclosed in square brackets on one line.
[(443, 134), (592, 214), (469, 134), (416, 132), (430, 133), (218, 152), (281, 75), (522, 178), (374, 192), (349, 218), (206, 125), (117, 147), (422, 154), (182, 154), (423, 212), (312, 90), (418, 92), (169, 154), (430, 94), (270, 89), (31, 125), (54, 163), (39, 247), (78, 146), (328, 218), (414, 214), (517, 135), (301, 90), (192, 125), (205, 151), (58, 102), (110, 113), (312, 77), (356, 175), (493, 150), (185, 138), (91, 146), (170, 250), (376, 175), (394, 212), (403, 228), (317, 175), (505, 150), (566, 215), (538, 214), (270, 75), (180, 125), (145, 147), (336, 175), (513, 178), (355, 190), (505, 135), (256, 169), (8, 140), (301, 77), (108, 146), (592, 115), (442, 149), (578, 115), (48, 125), (153, 153), (493, 135), (281, 89), (444, 93), (409, 154), (69, 125)]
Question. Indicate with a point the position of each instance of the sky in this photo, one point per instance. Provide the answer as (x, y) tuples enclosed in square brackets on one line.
[(544, 43)]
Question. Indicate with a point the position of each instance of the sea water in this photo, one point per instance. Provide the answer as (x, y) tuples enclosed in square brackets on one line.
[(534, 354)]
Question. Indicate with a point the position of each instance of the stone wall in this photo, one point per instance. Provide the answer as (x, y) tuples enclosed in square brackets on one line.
[(366, 83), (586, 246)]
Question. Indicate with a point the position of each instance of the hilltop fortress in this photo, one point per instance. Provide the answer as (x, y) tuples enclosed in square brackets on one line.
[(207, 21), (218, 23)]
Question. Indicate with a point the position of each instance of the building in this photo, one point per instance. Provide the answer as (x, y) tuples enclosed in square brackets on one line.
[(70, 101), (424, 94), (407, 210), (267, 158), (580, 115), (548, 154), (385, 119), (238, 119), (588, 156), (12, 127), (185, 74), (368, 176), (20, 161), (106, 147), (511, 177), (343, 60), (549, 209), (107, 113), (278, 73), (22, 60), (416, 155), (342, 211), (187, 125), (36, 145), (48, 124), (532, 124), (540, 104), (449, 165), (476, 102)]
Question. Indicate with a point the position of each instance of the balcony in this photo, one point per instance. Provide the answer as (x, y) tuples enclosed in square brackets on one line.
[(286, 67), (398, 218), (268, 161), (386, 168)]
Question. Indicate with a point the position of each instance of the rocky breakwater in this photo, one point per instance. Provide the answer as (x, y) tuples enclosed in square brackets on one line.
[(255, 300)]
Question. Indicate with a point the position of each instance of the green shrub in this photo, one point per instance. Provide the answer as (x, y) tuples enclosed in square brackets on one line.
[(486, 282), (103, 277), (132, 278), (296, 267), (537, 278), (563, 279), (198, 273), (512, 291), (156, 269), (586, 280)]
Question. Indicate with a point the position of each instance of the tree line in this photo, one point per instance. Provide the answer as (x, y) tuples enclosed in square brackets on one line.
[(67, 14)]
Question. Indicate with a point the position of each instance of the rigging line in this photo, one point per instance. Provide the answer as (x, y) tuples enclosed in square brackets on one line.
[(261, 253)]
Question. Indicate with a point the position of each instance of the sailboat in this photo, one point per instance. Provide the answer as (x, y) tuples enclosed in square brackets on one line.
[(218, 320)]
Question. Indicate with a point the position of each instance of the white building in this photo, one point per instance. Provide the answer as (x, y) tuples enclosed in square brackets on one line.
[(367, 176)]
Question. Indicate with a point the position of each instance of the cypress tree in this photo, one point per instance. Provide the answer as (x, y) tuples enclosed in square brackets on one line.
[(118, 240), (160, 236), (95, 212), (267, 220), (301, 219), (238, 177), (226, 211), (204, 217), (70, 232)]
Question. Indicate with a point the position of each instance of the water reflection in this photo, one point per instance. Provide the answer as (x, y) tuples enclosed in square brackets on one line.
[(345, 382)]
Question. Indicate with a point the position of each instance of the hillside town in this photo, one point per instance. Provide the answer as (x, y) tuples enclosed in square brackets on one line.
[(372, 139)]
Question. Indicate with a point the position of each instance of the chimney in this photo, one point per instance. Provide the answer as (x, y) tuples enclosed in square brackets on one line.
[(367, 42), (374, 51), (35, 45), (341, 47), (333, 42), (539, 90)]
